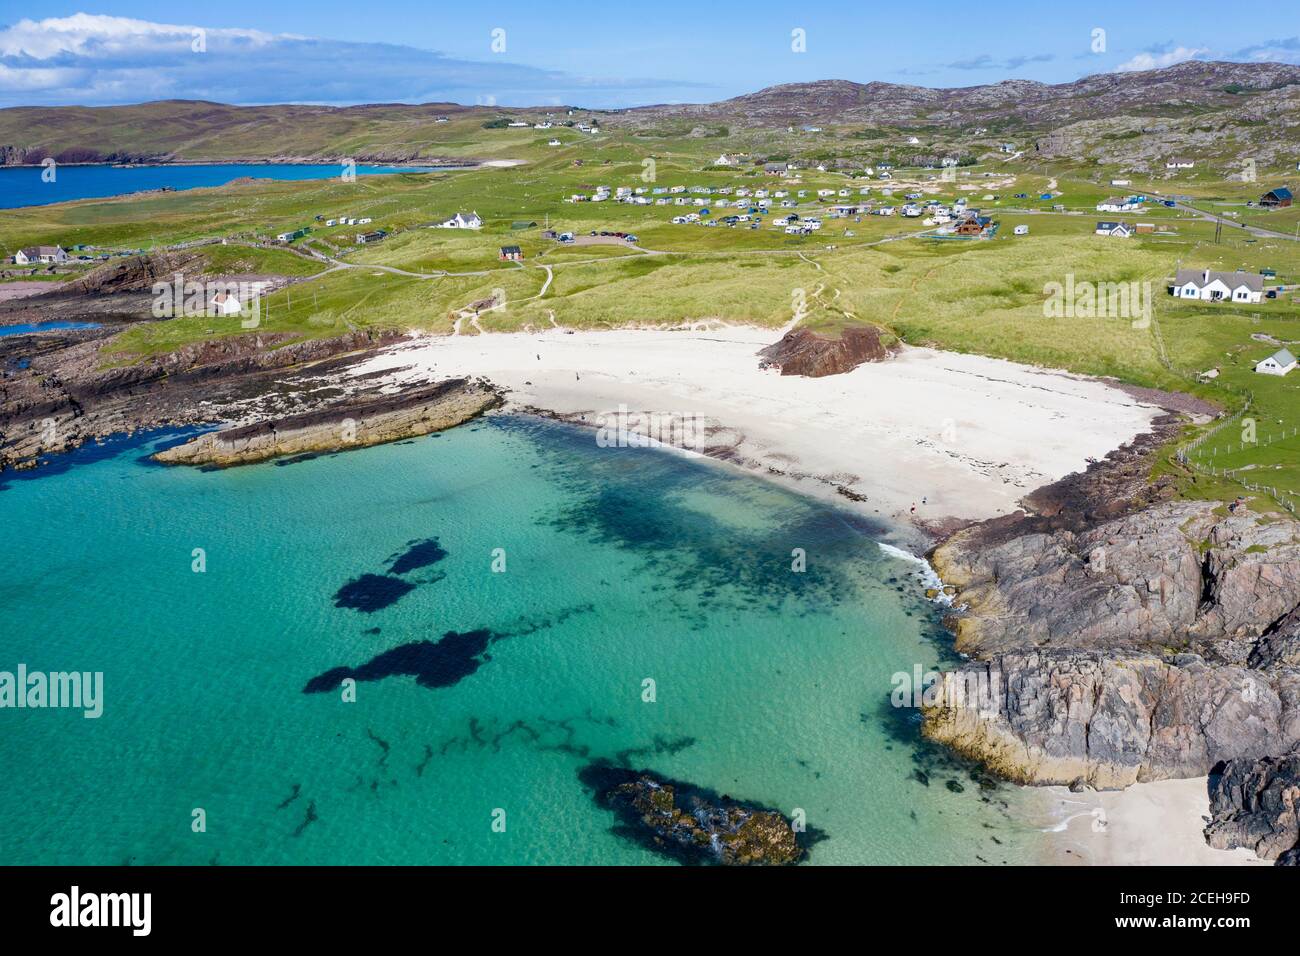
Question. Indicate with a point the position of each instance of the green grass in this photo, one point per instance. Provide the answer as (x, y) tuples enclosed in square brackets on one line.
[(980, 297)]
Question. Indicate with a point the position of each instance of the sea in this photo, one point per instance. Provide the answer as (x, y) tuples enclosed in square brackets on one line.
[(418, 653), (30, 186)]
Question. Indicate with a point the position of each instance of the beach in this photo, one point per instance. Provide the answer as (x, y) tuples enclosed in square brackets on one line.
[(1148, 824), (955, 437)]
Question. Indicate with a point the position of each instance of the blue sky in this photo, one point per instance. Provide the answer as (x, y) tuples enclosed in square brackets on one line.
[(256, 51)]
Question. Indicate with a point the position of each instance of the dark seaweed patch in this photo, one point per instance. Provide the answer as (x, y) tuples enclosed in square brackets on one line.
[(418, 554), (441, 663), (372, 592), (308, 819)]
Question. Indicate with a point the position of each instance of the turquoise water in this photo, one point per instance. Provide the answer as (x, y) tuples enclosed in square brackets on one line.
[(476, 690), (24, 186), (44, 327)]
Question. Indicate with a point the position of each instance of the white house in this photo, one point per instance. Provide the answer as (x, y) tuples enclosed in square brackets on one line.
[(40, 254), (462, 221), (1279, 363), (1117, 230), (1179, 163), (1116, 204), (223, 303), (1211, 286)]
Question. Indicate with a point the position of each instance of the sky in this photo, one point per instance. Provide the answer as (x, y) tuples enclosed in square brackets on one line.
[(609, 55)]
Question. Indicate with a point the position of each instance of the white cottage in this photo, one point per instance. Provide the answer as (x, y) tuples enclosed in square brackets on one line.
[(46, 254), (1279, 363), (1212, 286), (462, 221)]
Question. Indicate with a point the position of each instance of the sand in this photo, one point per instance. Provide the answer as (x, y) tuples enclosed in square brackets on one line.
[(956, 436), (1149, 824)]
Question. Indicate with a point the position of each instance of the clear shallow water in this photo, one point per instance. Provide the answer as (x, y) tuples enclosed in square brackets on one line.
[(622, 564), (23, 186), (44, 327)]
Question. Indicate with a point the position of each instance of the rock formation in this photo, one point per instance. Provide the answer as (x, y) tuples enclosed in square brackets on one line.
[(693, 825), (1123, 640), (805, 352), (1254, 804), (339, 426)]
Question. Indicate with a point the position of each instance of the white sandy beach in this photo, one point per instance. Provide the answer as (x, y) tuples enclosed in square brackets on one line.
[(1148, 824), (957, 435)]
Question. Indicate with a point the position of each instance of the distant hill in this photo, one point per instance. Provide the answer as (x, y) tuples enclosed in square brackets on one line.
[(1230, 110), (1194, 86)]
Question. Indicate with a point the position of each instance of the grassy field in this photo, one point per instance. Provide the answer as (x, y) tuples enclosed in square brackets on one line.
[(984, 297)]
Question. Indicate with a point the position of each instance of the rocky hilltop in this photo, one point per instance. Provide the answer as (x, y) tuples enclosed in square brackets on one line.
[(1124, 638), (1193, 86)]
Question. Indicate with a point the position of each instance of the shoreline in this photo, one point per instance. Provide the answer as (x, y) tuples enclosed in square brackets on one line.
[(924, 442), (1158, 823)]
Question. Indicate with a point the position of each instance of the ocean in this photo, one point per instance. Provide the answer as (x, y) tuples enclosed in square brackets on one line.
[(27, 186), (373, 656)]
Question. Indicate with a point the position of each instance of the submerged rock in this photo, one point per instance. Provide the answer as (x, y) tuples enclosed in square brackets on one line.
[(693, 825), (1254, 804)]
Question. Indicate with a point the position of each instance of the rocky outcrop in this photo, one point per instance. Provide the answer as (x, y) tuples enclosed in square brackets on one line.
[(693, 825), (1177, 575), (339, 426), (804, 352), (1254, 804), (1110, 720), (58, 391), (1123, 637)]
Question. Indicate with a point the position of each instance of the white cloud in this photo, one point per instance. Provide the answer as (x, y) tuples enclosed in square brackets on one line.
[(1157, 61), (83, 34), (96, 60)]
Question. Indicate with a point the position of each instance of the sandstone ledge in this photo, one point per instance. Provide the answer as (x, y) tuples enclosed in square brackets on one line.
[(353, 424)]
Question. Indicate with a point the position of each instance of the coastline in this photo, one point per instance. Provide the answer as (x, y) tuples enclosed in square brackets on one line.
[(809, 435), (924, 442), (433, 165)]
